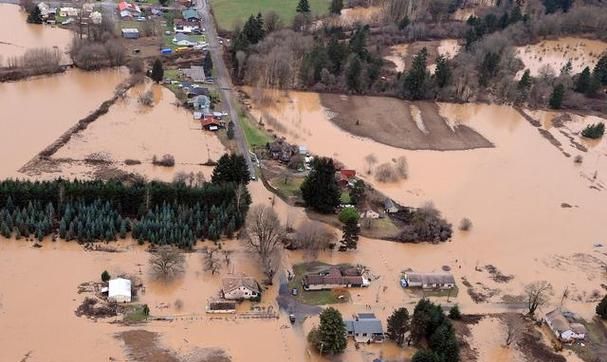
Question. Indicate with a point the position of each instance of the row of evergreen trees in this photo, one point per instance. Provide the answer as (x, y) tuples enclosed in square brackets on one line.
[(89, 211)]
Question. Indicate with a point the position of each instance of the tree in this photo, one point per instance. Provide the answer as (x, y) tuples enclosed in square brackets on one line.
[(582, 84), (537, 295), (594, 131), (265, 235), (319, 189), (105, 276), (336, 6), (427, 316), (601, 308), (357, 193), (272, 21), (556, 98), (489, 67), (424, 355), (330, 337), (398, 325), (600, 69), (207, 64), (371, 160), (231, 168), (230, 131), (353, 71), (348, 214), (414, 85), (525, 82), (210, 260), (157, 73), (35, 16), (350, 235), (167, 262), (313, 236), (454, 313), (443, 343), (303, 7), (442, 74)]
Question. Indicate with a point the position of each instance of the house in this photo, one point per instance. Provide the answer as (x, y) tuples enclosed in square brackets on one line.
[(370, 214), (96, 17), (196, 74), (119, 290), (68, 11), (238, 288), (334, 278), (184, 26), (365, 328), (183, 40), (127, 10), (390, 207), (201, 104), (190, 15), (130, 33), (281, 150), (344, 177), (563, 326), (442, 280), (44, 9)]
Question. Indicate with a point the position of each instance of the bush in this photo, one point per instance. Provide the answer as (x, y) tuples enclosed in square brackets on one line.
[(454, 313), (348, 214), (594, 131), (578, 159), (425, 224), (105, 276), (166, 161), (386, 173), (465, 224), (146, 98)]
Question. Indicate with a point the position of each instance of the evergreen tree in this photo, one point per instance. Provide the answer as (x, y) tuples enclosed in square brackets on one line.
[(350, 235), (231, 168), (454, 313), (424, 355), (601, 308), (330, 337), (600, 69), (594, 131), (207, 64), (35, 16), (556, 98), (525, 82), (303, 7), (319, 189), (398, 325), (414, 85), (337, 53), (157, 73), (442, 74), (358, 42), (444, 343), (230, 131), (105, 276), (582, 84), (403, 23), (357, 193), (489, 68), (336, 6), (353, 72)]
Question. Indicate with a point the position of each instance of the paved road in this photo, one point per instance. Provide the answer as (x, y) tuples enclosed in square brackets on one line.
[(223, 80)]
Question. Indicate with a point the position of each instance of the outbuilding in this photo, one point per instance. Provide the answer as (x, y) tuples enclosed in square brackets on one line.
[(130, 33), (441, 280), (565, 329), (119, 290), (238, 288)]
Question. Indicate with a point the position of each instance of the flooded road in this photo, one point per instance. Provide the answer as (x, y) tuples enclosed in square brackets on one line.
[(16, 35), (38, 110)]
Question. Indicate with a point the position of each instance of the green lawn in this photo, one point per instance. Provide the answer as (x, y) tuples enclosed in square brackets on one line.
[(290, 188), (255, 137), (135, 314), (227, 12)]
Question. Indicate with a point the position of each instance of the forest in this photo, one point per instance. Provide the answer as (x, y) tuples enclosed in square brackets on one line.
[(89, 211)]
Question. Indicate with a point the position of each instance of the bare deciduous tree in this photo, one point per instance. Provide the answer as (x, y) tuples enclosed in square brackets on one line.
[(538, 294), (227, 254), (511, 333), (146, 98), (167, 262), (210, 260), (371, 160), (313, 236), (264, 235)]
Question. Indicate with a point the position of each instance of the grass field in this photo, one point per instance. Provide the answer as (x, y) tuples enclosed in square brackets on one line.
[(255, 137), (316, 297), (227, 12)]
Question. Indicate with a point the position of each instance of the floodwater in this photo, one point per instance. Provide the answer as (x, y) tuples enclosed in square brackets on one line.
[(133, 131), (512, 193), (37, 111), (16, 35), (489, 340), (554, 54)]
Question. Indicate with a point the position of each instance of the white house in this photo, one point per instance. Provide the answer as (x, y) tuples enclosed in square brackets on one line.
[(96, 17), (441, 280), (563, 329), (68, 11), (237, 288), (183, 40), (119, 290)]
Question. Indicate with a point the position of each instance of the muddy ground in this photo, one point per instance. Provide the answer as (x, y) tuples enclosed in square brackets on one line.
[(400, 124)]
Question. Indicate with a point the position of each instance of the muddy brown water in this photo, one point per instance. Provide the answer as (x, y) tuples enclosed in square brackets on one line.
[(16, 35), (37, 111)]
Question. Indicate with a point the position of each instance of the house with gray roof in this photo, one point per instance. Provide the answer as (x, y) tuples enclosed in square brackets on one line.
[(195, 73), (201, 104), (190, 15), (365, 328), (241, 287), (564, 326), (442, 280)]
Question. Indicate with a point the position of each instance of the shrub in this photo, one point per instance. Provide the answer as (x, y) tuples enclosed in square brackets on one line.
[(465, 224), (166, 161), (105, 276), (454, 313), (386, 173), (594, 131), (146, 98), (578, 159), (425, 224), (348, 215)]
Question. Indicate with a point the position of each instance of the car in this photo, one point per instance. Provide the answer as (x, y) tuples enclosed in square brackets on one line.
[(294, 292), (292, 318)]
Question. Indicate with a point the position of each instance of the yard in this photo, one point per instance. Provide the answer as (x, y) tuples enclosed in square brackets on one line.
[(228, 12), (255, 137), (290, 188), (316, 297)]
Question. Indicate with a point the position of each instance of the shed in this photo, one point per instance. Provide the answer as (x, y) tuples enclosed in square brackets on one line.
[(390, 206), (130, 33), (119, 290)]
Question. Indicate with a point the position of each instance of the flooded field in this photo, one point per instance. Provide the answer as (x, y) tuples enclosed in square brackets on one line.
[(520, 226), (132, 131), (16, 35), (401, 55), (554, 54), (38, 110)]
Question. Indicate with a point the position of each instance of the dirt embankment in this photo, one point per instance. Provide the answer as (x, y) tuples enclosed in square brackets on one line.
[(12, 74), (391, 121)]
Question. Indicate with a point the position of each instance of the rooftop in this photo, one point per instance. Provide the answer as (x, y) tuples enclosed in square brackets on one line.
[(232, 283)]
